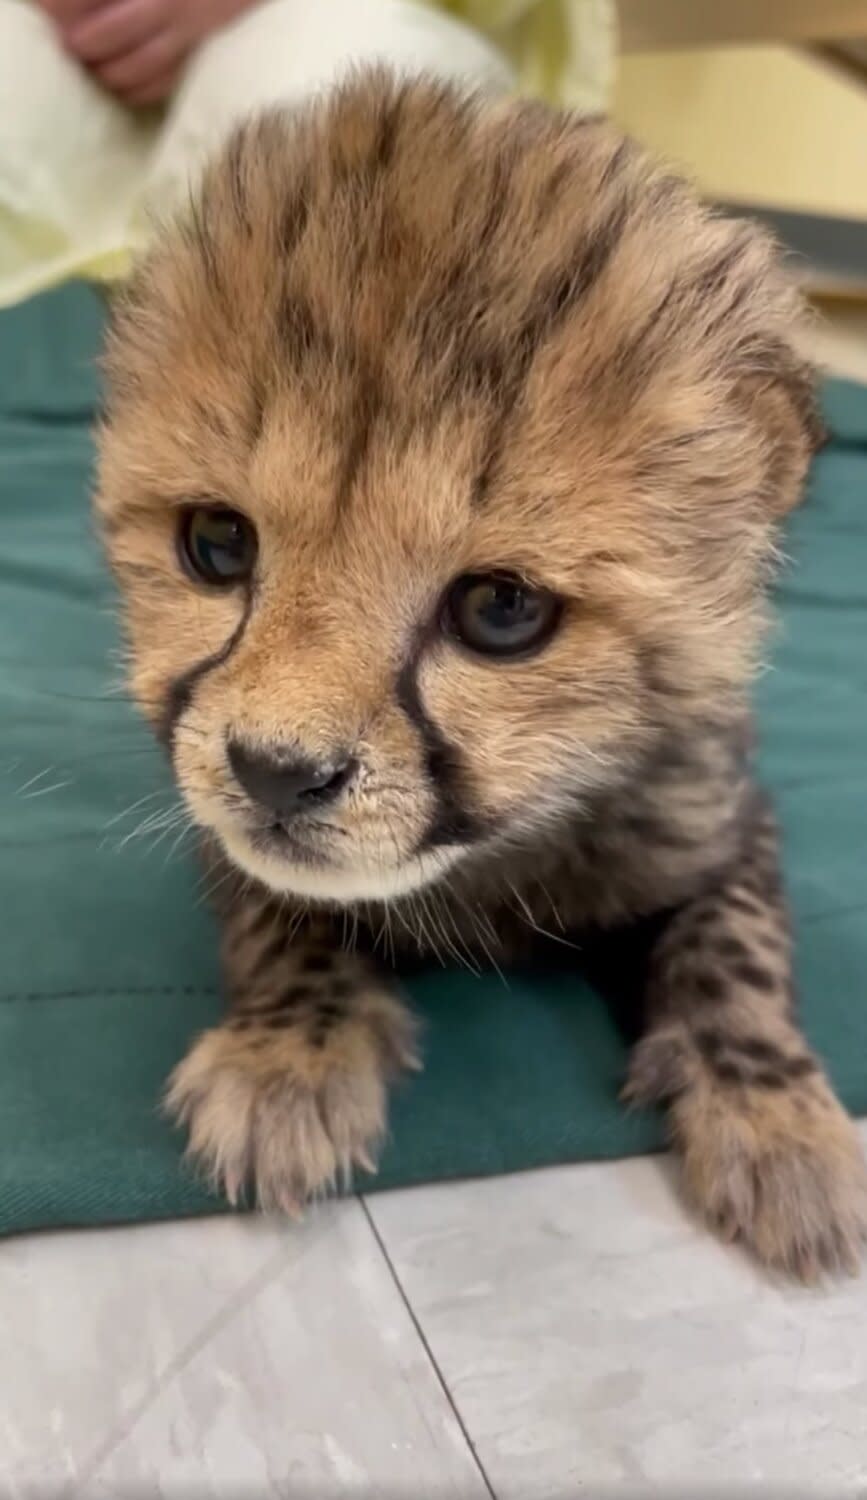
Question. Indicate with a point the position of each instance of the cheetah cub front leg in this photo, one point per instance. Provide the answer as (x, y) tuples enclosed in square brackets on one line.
[(769, 1154), (289, 1093)]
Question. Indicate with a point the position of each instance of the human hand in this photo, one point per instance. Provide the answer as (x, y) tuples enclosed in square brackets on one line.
[(136, 48)]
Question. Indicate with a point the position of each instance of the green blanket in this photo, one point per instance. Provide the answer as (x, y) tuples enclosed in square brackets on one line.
[(108, 964)]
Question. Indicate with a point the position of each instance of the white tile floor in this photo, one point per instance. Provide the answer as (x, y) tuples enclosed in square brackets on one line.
[(556, 1334), (553, 1334)]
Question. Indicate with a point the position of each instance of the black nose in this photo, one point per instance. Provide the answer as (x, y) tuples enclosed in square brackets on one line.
[(284, 782)]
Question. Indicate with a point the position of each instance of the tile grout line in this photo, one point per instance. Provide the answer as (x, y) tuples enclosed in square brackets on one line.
[(90, 1464), (401, 1291)]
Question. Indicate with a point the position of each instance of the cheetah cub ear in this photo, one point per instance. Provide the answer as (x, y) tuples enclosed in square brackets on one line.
[(775, 385), (783, 402)]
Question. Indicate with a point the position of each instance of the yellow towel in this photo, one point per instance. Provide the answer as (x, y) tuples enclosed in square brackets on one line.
[(82, 177), (562, 50)]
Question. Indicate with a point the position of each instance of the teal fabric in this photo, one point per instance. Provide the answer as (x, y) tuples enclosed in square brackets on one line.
[(108, 954)]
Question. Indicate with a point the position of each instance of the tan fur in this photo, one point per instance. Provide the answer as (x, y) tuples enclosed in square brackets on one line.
[(413, 336), (781, 1170), (271, 1107)]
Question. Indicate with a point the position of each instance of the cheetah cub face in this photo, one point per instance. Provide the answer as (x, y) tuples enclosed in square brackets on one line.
[(443, 447)]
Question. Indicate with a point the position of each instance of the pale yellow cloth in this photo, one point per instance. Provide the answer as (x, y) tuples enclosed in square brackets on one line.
[(82, 178), (562, 50)]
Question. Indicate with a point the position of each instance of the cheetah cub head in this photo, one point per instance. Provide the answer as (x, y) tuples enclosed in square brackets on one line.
[(443, 448)]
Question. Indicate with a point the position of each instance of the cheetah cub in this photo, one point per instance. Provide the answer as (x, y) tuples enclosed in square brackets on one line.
[(444, 447)]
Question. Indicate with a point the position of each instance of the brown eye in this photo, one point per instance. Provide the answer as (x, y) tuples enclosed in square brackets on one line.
[(497, 614), (217, 545)]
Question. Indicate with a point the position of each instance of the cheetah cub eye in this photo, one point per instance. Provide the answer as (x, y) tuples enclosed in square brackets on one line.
[(499, 615), (216, 545)]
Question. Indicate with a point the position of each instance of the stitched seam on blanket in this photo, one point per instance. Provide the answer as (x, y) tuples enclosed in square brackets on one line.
[(121, 991)]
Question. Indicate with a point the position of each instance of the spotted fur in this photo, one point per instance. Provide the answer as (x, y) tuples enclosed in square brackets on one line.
[(411, 335)]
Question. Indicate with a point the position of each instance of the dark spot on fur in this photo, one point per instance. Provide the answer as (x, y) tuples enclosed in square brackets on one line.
[(801, 1067), (279, 1020), (615, 164), (711, 278), (728, 1070), (297, 992), (635, 359), (294, 219), (768, 1078), (298, 329), (481, 371), (750, 1060), (261, 917), (388, 130), (704, 916), (568, 286), (368, 408), (554, 190), (787, 1071), (198, 232), (758, 1050), (755, 976), (236, 152), (328, 1015), (710, 1043), (709, 986), (762, 882), (692, 940), (498, 202), (287, 1002), (728, 947), (649, 828), (317, 963), (275, 948), (557, 296)]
